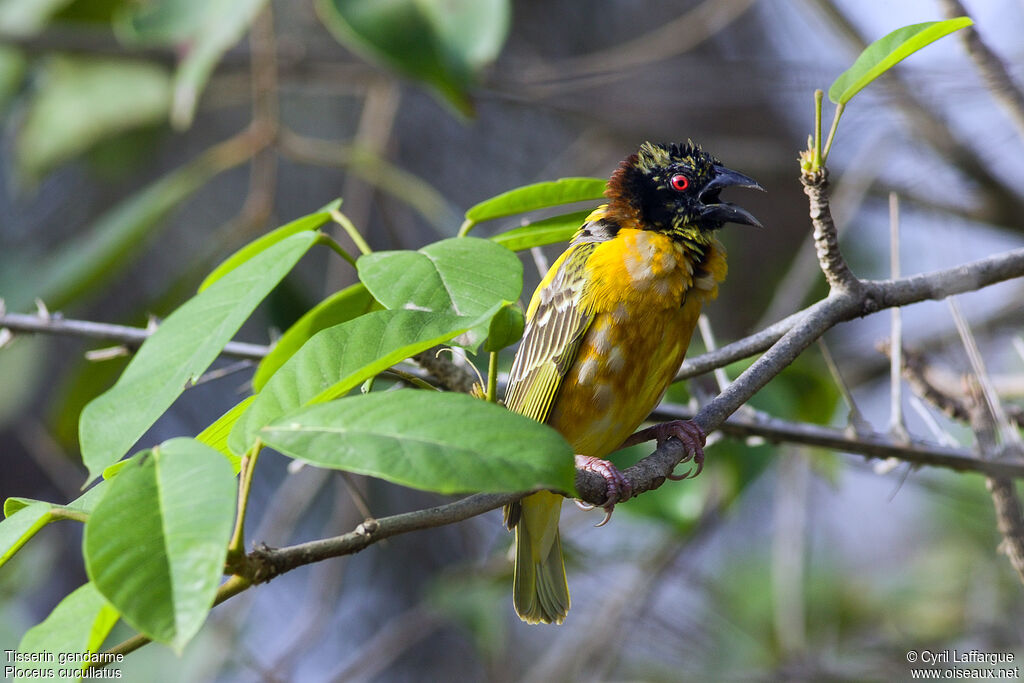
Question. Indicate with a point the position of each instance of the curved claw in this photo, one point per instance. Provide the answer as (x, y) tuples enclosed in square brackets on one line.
[(680, 477), (688, 432), (690, 473), (607, 516), (617, 489), (586, 507)]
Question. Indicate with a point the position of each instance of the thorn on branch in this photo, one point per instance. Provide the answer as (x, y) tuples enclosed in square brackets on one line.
[(917, 371), (368, 528)]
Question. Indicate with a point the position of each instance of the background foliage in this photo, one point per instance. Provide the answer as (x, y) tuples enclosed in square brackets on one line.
[(143, 143)]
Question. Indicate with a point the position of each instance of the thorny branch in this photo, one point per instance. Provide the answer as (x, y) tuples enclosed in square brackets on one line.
[(974, 410)]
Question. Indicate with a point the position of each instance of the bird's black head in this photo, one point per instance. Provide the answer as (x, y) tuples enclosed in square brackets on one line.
[(674, 188)]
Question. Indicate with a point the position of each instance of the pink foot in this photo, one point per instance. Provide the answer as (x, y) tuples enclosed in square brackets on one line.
[(619, 488), (687, 431)]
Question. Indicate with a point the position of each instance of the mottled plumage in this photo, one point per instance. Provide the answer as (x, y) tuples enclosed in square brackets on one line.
[(608, 327)]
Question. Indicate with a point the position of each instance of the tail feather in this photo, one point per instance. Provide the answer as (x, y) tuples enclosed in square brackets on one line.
[(540, 591)]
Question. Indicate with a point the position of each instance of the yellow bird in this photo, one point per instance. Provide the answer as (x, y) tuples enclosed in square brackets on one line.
[(607, 330)]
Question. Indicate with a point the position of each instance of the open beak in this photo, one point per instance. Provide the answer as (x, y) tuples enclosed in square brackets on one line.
[(724, 212)]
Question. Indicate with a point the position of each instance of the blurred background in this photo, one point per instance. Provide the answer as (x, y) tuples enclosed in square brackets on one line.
[(142, 142)]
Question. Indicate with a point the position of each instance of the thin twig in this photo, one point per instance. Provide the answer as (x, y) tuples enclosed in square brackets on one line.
[(873, 445), (856, 418), (264, 563), (124, 334), (1009, 515), (897, 425), (708, 336), (915, 371), (988, 392)]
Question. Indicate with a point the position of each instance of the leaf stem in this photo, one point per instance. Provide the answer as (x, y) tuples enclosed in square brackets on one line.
[(832, 133), (73, 515), (466, 226), (492, 378), (328, 241), (237, 545), (818, 161), (342, 220), (409, 378)]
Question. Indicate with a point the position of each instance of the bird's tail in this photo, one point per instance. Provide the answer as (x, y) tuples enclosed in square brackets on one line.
[(540, 592)]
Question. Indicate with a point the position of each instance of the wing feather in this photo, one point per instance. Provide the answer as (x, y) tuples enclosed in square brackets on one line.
[(555, 326)]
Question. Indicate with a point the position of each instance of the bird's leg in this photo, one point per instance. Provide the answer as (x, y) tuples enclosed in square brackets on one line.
[(618, 487), (687, 431)]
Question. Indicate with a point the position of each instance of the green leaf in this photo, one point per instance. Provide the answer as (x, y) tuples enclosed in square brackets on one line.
[(216, 435), (78, 624), (465, 276), (444, 442), (179, 352), (506, 328), (339, 358), (26, 516), (539, 233), (155, 546), (224, 23), (201, 30), (307, 223), (118, 95), (84, 504), (339, 307), (442, 43), (19, 527), (537, 196), (104, 249), (886, 52)]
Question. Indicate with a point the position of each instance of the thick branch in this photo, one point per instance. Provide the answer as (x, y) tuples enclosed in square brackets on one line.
[(878, 295)]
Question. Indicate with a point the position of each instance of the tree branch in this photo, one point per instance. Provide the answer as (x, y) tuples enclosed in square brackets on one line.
[(132, 337), (877, 295), (826, 237), (777, 430), (265, 563)]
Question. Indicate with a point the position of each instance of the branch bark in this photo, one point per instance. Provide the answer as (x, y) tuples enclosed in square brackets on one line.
[(131, 337)]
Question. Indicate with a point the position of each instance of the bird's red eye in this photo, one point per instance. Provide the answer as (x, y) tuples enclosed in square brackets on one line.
[(679, 182)]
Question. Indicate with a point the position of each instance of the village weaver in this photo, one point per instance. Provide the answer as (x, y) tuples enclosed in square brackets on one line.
[(607, 330)]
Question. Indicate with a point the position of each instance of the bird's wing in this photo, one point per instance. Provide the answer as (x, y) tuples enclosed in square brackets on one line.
[(555, 324)]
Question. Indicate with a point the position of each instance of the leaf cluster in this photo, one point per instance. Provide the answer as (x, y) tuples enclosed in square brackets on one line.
[(160, 525)]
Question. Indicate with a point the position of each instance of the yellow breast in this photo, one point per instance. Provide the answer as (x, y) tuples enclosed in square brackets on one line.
[(645, 292)]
